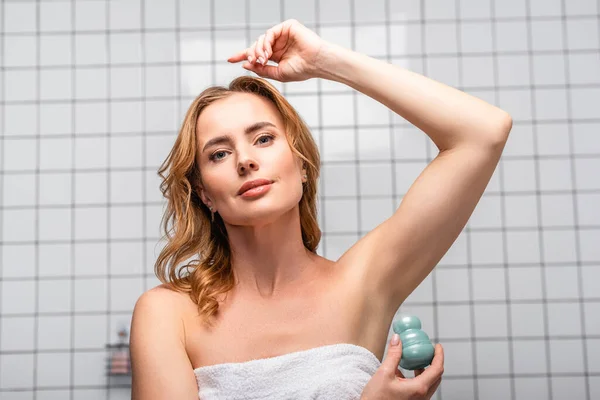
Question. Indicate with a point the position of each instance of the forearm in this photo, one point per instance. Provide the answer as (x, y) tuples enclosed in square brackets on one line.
[(448, 116)]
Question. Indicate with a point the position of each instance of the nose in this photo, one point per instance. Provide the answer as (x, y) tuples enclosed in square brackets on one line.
[(246, 165)]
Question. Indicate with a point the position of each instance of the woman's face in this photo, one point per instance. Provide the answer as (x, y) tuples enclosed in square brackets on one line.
[(244, 155)]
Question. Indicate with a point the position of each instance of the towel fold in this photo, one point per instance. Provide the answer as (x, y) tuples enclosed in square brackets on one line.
[(338, 371)]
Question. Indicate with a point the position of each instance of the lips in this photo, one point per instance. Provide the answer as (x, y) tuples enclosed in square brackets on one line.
[(252, 184)]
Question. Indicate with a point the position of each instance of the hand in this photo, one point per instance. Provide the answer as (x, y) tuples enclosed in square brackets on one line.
[(388, 383), (293, 46)]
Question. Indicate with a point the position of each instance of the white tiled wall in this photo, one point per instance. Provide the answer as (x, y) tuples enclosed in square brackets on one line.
[(92, 94)]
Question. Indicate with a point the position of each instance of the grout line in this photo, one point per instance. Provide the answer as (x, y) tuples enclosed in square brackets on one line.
[(574, 197), (541, 229), (505, 264)]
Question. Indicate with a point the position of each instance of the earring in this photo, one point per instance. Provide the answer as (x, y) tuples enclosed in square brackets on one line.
[(212, 214)]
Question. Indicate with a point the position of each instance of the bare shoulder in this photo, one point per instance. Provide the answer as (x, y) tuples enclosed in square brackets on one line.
[(160, 365)]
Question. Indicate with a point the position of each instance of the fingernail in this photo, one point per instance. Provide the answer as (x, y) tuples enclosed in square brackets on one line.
[(260, 60), (395, 339), (249, 58)]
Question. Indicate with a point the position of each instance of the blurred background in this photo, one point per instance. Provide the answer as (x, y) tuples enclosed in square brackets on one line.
[(92, 94)]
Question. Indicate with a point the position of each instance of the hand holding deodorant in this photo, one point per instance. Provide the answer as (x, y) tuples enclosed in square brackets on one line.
[(417, 350)]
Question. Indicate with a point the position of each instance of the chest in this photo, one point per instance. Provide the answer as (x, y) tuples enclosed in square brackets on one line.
[(247, 330)]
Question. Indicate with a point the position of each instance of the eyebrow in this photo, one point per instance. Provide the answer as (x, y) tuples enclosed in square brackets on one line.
[(228, 138)]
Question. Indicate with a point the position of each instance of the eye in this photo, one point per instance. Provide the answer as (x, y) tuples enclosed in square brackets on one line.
[(270, 137), (213, 157)]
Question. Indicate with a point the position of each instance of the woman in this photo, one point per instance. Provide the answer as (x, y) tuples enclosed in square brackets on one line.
[(260, 314)]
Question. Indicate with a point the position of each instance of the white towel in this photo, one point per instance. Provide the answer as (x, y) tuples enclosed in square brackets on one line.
[(338, 371)]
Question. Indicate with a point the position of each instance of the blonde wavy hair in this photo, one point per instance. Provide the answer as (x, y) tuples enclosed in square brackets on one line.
[(191, 236)]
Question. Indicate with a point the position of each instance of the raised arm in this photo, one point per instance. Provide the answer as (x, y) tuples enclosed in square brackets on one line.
[(395, 257)]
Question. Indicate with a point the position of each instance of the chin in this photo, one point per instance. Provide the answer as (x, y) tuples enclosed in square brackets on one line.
[(265, 211)]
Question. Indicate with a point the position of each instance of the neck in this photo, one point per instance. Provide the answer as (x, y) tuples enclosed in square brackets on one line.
[(270, 259)]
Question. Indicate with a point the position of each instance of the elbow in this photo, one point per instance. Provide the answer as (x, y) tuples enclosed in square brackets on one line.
[(502, 128)]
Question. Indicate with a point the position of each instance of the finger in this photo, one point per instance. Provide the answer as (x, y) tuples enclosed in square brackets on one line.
[(393, 355), (251, 53), (419, 371), (264, 71), (260, 52), (430, 375), (277, 31), (269, 39), (240, 56)]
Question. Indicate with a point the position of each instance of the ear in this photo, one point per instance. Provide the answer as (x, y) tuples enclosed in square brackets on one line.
[(203, 196)]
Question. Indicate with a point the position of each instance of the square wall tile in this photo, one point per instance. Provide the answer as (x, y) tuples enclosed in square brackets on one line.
[(410, 143), (19, 17), (494, 388), (340, 215), (338, 145), (195, 13), (458, 358), (373, 212), (489, 283), (19, 190), (513, 69), (16, 371), (487, 213), (490, 320), (335, 245), (562, 282), (527, 387), (529, 357), (569, 387), (53, 370), (454, 322), (55, 16), (18, 260), (582, 34), (492, 357), (527, 319), (54, 259), (126, 222), (440, 37), (90, 15), (547, 35), (126, 257), (54, 332), (523, 247), (89, 368), (90, 259), (525, 283), (560, 246), (372, 39), (90, 295), (17, 333), (486, 247), (17, 297), (21, 119), (520, 211), (125, 15), (566, 356), (375, 179), (54, 296), (124, 292), (564, 319), (452, 284), (374, 143), (159, 14)]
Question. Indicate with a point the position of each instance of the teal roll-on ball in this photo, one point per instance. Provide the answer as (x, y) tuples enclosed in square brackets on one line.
[(417, 350)]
